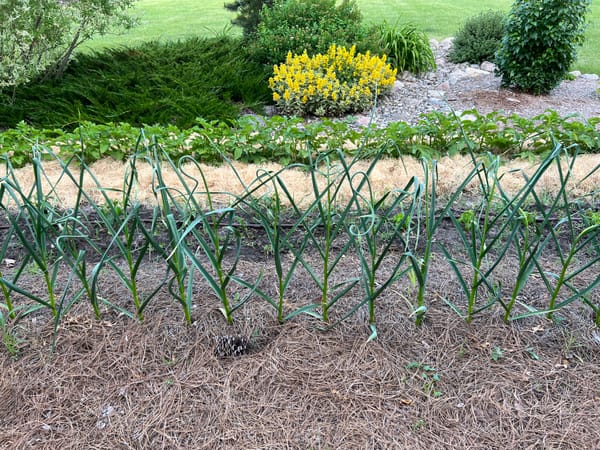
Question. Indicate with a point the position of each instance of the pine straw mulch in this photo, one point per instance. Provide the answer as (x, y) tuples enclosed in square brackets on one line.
[(120, 384)]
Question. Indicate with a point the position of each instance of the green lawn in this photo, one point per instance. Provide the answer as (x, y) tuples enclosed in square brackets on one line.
[(167, 19)]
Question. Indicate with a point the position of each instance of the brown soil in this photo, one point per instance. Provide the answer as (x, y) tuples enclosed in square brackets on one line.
[(579, 97)]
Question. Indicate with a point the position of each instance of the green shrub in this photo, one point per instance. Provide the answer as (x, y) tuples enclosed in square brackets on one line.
[(312, 25), (248, 14), (41, 35), (407, 48), (540, 43), (155, 83), (479, 38), (331, 84)]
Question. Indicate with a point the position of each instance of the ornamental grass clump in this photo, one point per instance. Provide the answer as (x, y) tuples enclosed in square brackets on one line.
[(338, 82)]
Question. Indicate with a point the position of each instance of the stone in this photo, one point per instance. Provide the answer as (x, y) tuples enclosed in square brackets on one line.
[(270, 110), (363, 120), (472, 72), (413, 96), (445, 86), (456, 75), (436, 94), (437, 102), (488, 66), (575, 73), (590, 76), (407, 76), (446, 44)]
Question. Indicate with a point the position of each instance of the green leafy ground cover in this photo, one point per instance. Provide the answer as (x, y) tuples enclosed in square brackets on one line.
[(289, 140)]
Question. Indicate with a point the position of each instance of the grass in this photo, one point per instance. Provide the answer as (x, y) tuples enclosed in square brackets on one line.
[(164, 20), (160, 19)]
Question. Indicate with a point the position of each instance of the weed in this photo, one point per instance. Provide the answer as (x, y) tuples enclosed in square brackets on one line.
[(497, 353), (430, 378)]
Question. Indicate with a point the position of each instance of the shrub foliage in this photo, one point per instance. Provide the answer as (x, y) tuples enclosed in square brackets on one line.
[(311, 25), (154, 83), (248, 14), (39, 35), (479, 38), (331, 84), (540, 43)]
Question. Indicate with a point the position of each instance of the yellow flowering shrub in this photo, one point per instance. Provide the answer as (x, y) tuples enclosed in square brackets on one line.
[(338, 82)]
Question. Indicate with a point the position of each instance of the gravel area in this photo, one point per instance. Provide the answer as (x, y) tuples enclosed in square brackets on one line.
[(461, 87)]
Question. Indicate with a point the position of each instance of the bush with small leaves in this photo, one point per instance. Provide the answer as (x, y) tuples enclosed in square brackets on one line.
[(540, 43), (479, 38), (338, 82), (311, 25), (41, 36)]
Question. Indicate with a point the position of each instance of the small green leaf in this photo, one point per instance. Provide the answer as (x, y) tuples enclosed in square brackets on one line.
[(532, 354), (497, 353)]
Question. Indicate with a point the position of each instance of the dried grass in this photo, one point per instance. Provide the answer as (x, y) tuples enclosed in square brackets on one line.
[(388, 174)]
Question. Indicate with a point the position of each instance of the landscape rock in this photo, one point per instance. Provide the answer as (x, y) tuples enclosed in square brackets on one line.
[(444, 86), (460, 87), (590, 76), (488, 66), (474, 73), (407, 76), (362, 120), (456, 76), (446, 44), (436, 94)]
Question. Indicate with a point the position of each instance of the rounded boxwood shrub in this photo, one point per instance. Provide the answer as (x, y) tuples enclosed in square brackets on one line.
[(338, 82), (312, 25), (479, 38), (540, 43)]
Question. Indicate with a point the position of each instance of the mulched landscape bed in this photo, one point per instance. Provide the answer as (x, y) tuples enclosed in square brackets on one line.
[(117, 383)]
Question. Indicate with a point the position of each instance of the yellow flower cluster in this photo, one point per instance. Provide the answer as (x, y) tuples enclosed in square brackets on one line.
[(338, 82)]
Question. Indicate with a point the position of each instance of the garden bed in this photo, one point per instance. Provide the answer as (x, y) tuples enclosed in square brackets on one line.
[(115, 381)]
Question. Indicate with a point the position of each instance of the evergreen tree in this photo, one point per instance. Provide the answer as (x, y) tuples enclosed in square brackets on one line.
[(248, 13)]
